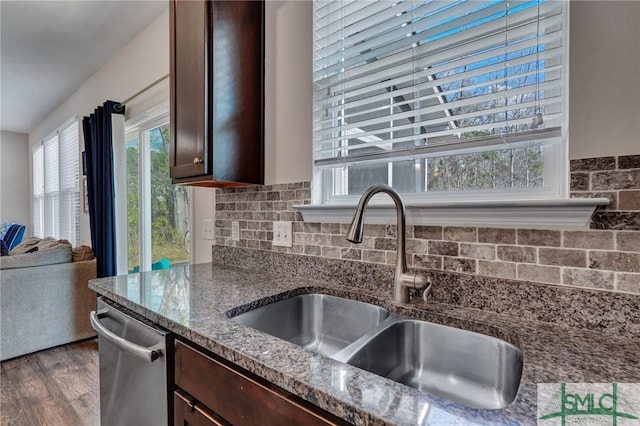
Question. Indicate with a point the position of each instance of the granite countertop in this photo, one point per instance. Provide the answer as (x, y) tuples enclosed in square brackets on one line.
[(196, 302)]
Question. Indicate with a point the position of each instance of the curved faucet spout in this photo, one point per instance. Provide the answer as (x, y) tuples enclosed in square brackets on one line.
[(403, 280)]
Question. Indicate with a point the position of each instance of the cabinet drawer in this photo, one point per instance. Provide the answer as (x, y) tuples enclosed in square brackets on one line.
[(239, 397), (189, 412)]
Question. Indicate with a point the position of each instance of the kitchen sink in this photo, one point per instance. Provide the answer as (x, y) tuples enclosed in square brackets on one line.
[(319, 323), (462, 366), (472, 369)]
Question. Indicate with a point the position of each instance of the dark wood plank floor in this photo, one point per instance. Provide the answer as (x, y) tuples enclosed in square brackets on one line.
[(58, 386)]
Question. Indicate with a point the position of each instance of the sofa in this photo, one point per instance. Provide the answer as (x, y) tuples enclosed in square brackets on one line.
[(44, 296)]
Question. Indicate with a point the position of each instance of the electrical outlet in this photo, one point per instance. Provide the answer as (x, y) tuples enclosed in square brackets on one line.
[(209, 226), (282, 235), (235, 230)]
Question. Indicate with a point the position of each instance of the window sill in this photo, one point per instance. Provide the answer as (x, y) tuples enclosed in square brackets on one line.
[(572, 213)]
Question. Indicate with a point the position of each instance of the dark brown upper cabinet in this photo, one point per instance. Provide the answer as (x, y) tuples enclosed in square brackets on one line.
[(217, 92)]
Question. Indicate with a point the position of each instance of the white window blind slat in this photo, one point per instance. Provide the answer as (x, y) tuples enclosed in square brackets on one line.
[(38, 191), (371, 94), (475, 40), (56, 194)]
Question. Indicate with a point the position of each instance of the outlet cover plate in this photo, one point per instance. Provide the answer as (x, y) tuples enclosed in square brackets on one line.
[(235, 230), (209, 226), (282, 234)]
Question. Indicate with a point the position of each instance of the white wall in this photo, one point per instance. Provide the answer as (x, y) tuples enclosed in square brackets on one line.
[(604, 44), (288, 91), (14, 179)]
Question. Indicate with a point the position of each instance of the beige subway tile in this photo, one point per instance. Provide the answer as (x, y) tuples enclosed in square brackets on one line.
[(339, 241), (460, 233), (385, 244), (374, 256), (445, 248), (416, 246), (375, 230), (246, 234), (313, 250), (330, 228), (312, 228), (496, 236), (562, 257), (629, 200), (628, 282), (622, 179), (602, 240), (302, 238), (332, 252), (288, 216), (496, 269), (628, 241), (427, 232), (458, 264), (255, 244), (538, 237), (321, 239), (427, 261), (350, 253), (478, 251), (588, 278), (538, 273), (391, 231), (517, 254), (615, 261)]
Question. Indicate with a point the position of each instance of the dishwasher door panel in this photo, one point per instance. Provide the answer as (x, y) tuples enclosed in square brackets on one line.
[(133, 390)]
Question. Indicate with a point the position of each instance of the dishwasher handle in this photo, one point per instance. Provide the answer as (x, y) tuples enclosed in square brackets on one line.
[(143, 353)]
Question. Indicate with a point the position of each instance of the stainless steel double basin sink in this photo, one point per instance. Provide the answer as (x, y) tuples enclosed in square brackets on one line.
[(472, 369)]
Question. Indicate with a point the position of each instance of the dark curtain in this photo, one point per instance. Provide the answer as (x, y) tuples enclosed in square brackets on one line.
[(98, 144)]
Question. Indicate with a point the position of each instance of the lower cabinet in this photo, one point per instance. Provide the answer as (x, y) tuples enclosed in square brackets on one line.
[(213, 391), (189, 412)]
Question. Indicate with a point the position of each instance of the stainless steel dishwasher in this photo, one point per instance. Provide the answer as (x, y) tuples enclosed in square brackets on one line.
[(134, 368)]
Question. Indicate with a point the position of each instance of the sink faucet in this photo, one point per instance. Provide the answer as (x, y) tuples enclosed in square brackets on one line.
[(403, 280)]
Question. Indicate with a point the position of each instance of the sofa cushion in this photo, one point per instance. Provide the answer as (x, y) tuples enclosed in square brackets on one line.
[(49, 251), (82, 253), (38, 244), (61, 254), (14, 235)]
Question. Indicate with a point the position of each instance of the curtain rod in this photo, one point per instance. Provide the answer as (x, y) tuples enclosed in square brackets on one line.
[(144, 89)]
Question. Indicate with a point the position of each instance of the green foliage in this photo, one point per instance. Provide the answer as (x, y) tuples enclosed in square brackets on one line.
[(169, 204)]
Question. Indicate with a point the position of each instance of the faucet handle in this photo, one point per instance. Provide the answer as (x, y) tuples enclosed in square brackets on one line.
[(417, 281)]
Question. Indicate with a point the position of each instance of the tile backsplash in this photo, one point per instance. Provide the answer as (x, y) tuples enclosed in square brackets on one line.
[(606, 256)]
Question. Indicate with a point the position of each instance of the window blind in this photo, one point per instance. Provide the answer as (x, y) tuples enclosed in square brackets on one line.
[(69, 183), (56, 192), (38, 191), (411, 79), (51, 187)]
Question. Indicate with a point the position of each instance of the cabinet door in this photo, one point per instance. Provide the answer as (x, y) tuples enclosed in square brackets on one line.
[(239, 397), (189, 412), (190, 88), (238, 91)]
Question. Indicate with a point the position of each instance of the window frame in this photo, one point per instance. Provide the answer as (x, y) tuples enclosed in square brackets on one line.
[(555, 160)]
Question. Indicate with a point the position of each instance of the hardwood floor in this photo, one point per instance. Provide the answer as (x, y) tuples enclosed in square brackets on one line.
[(58, 386)]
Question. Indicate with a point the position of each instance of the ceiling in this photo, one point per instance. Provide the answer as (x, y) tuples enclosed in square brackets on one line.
[(49, 48)]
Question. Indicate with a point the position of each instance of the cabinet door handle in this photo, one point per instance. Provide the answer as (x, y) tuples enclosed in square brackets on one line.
[(197, 161)]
